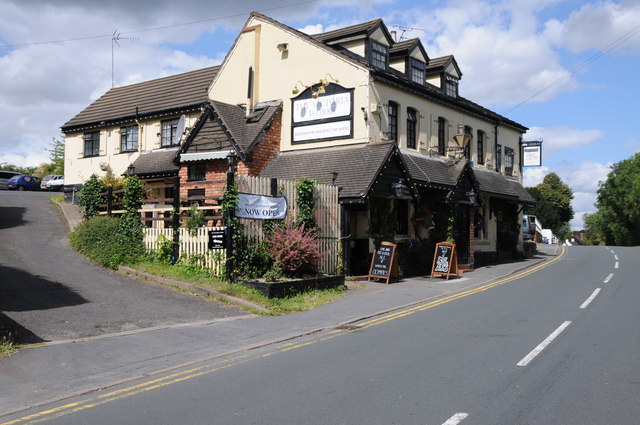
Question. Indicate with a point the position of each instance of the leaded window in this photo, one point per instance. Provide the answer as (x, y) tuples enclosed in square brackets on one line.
[(393, 121), (379, 54), (168, 135), (91, 143), (442, 141), (508, 161), (412, 121), (480, 147), (129, 138), (451, 86), (417, 69)]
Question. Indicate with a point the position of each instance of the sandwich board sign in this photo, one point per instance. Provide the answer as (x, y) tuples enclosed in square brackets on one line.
[(384, 264), (445, 260)]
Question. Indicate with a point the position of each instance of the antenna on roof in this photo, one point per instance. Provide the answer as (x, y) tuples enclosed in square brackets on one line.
[(117, 36), (404, 29)]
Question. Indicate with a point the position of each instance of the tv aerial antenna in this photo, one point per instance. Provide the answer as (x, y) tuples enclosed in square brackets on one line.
[(117, 36)]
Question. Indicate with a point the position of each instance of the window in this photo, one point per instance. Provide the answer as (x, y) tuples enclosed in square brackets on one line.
[(379, 54), (129, 138), (402, 217), (417, 69), (467, 149), (197, 172), (91, 143), (195, 193), (499, 158), (168, 136), (393, 121), (451, 86), (480, 147), (442, 140), (411, 128), (508, 161)]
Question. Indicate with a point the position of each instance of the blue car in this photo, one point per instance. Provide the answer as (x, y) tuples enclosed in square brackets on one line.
[(23, 183)]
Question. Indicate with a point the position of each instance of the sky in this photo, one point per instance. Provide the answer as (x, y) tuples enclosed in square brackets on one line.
[(567, 70)]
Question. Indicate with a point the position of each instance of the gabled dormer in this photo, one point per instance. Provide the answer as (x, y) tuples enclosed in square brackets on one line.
[(370, 41), (410, 58), (444, 73)]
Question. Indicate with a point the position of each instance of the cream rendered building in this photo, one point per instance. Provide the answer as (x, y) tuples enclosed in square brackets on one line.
[(398, 95)]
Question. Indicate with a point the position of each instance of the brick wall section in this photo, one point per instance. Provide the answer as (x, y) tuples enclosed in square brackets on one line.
[(216, 172)]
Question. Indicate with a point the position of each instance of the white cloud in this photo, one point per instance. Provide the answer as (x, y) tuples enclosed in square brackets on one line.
[(562, 138), (534, 176), (596, 26)]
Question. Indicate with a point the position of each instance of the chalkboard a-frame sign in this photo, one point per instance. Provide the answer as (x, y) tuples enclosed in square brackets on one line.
[(445, 260), (383, 263)]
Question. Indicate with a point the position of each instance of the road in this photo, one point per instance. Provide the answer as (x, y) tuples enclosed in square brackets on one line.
[(557, 346), (48, 292)]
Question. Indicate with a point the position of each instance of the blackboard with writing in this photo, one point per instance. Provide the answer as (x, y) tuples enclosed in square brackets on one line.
[(445, 261), (383, 262)]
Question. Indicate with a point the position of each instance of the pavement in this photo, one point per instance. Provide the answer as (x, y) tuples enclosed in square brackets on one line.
[(50, 372)]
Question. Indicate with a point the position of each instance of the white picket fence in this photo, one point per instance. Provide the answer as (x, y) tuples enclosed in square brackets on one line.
[(190, 246), (327, 214), (327, 219)]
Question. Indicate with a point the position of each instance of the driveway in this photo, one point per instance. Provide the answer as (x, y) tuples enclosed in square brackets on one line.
[(48, 292)]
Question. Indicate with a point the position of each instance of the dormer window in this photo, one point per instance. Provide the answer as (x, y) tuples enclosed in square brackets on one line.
[(451, 86), (417, 70), (378, 54)]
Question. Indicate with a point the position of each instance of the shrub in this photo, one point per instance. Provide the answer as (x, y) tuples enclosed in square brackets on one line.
[(99, 238), (90, 198), (296, 249)]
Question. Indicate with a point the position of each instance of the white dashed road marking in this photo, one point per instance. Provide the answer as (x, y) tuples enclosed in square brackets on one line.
[(588, 301), (608, 278), (532, 355), (456, 419)]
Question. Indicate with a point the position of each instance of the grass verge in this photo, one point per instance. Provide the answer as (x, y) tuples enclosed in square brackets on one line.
[(189, 273)]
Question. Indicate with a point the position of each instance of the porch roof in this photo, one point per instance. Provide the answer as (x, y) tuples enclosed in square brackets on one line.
[(158, 163), (357, 166)]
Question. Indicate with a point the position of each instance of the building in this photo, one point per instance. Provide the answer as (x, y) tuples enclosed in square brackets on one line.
[(357, 108)]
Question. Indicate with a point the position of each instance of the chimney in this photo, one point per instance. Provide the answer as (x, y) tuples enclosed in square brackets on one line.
[(393, 36)]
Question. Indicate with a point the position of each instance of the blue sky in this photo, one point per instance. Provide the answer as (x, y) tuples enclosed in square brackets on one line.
[(580, 56)]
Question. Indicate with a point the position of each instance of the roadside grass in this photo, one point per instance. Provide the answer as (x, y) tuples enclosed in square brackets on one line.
[(195, 275), (6, 340)]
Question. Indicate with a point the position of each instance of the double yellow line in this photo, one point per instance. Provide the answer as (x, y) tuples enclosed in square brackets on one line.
[(224, 364)]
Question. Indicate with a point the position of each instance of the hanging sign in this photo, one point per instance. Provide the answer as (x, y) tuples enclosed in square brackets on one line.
[(532, 154), (259, 207), (445, 260), (384, 264)]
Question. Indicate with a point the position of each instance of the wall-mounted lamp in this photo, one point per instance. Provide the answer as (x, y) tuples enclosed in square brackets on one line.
[(462, 138), (334, 176), (283, 47), (131, 169), (295, 89), (400, 190)]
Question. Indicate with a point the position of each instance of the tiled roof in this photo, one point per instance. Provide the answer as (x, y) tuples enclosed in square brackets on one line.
[(357, 166), (225, 126), (493, 184), (159, 162), (429, 171), (162, 94), (438, 63), (346, 32)]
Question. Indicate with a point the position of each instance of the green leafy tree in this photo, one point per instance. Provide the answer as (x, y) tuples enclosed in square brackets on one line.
[(618, 204), (594, 230), (56, 155), (553, 203)]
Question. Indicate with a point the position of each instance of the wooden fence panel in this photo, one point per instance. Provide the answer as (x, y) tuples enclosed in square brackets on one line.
[(327, 214)]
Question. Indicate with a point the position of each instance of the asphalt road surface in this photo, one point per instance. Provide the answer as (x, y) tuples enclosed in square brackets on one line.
[(48, 292), (558, 346)]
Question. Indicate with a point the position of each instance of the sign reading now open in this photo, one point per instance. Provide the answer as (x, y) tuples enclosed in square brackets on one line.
[(260, 207)]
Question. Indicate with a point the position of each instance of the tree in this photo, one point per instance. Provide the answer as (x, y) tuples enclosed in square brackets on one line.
[(56, 155), (553, 203), (618, 204)]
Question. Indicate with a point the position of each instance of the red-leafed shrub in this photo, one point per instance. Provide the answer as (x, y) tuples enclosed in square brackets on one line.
[(296, 249)]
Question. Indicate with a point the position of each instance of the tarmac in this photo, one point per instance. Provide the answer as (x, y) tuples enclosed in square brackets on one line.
[(42, 374)]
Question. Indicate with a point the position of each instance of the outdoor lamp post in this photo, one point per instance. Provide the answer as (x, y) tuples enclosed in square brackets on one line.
[(131, 169)]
